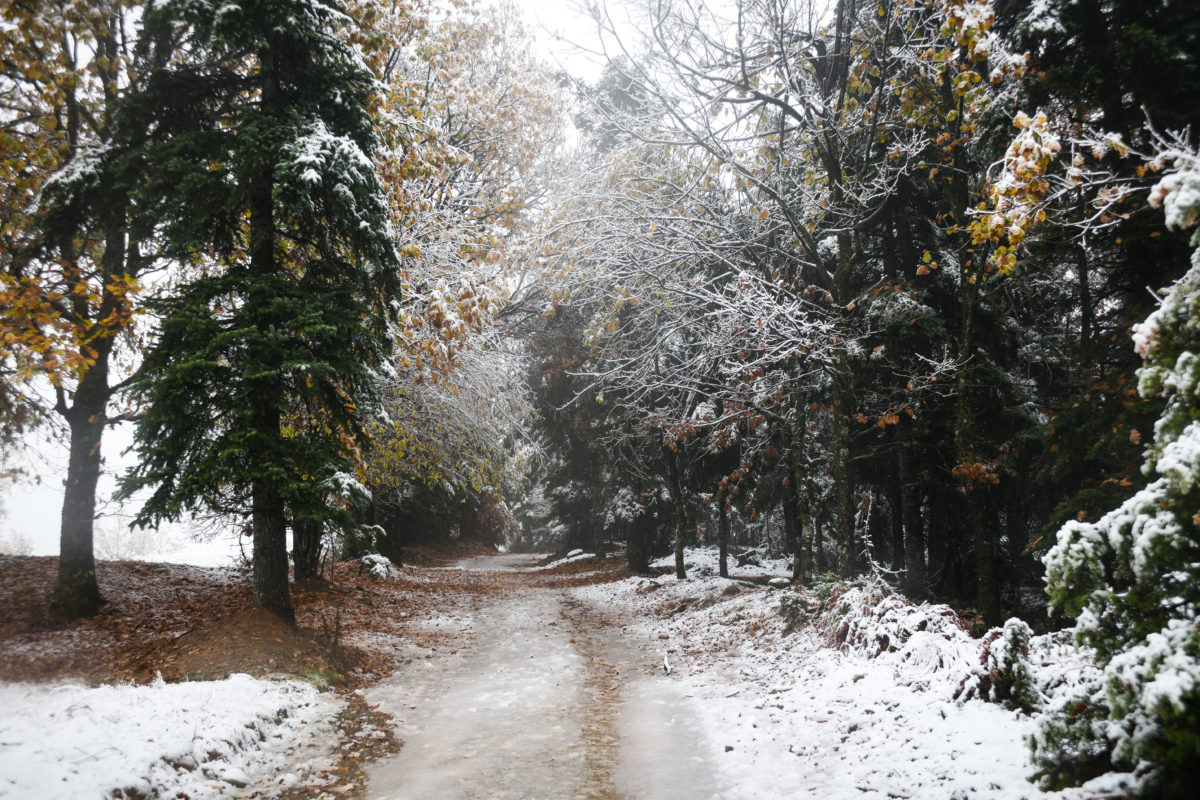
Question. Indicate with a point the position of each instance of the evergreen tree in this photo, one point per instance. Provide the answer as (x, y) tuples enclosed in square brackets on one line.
[(1132, 579), (261, 371), (1106, 65)]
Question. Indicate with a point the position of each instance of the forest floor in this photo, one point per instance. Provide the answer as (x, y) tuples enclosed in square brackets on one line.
[(164, 626), (501, 678)]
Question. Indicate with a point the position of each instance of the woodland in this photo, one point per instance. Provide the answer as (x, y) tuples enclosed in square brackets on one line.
[(906, 289)]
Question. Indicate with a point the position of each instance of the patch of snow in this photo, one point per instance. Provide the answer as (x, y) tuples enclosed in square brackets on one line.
[(858, 700), (574, 555), (705, 562), (378, 567), (200, 740)]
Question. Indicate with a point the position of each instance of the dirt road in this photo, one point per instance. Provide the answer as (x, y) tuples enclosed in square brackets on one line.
[(542, 699)]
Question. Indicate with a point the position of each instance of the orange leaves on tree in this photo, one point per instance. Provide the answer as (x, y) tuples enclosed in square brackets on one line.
[(976, 474), (1013, 206), (889, 418), (55, 312)]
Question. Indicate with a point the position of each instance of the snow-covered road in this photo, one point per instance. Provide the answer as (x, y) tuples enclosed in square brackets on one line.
[(541, 700)]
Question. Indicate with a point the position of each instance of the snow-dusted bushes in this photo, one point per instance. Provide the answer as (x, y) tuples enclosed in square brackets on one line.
[(877, 620), (377, 566), (1004, 675), (1132, 579), (869, 618)]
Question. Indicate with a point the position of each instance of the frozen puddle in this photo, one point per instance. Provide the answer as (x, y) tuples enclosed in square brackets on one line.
[(543, 703)]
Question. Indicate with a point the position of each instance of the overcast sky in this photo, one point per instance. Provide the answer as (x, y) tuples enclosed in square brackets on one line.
[(564, 30)]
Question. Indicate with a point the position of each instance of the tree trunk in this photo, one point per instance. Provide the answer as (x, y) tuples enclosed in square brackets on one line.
[(76, 592), (975, 477), (843, 487), (637, 550), (269, 561), (985, 559), (722, 538), (896, 518), (675, 488), (802, 566), (1017, 525), (916, 582), (789, 543), (880, 527), (818, 550), (306, 549)]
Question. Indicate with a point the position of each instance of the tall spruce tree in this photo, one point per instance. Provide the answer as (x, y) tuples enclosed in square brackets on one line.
[(261, 370), (1132, 578)]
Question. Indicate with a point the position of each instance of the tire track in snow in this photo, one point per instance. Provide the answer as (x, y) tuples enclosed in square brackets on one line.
[(544, 700), (603, 686)]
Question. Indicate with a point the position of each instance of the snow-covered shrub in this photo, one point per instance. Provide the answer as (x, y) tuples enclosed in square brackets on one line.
[(794, 606), (1004, 674), (874, 619), (925, 644), (377, 566), (1132, 579), (824, 585), (868, 617)]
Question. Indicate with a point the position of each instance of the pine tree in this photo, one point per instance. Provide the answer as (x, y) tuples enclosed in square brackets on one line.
[(1107, 65), (1132, 579), (261, 372)]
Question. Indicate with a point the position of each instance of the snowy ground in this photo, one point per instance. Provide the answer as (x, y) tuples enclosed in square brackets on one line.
[(788, 715), (641, 689), (198, 740)]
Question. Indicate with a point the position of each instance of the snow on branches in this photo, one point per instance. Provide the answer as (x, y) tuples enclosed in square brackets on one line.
[(1130, 579)]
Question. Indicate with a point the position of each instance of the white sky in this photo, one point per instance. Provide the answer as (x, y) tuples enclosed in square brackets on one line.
[(564, 31)]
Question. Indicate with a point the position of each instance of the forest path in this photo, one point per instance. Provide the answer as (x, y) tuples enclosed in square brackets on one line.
[(544, 698)]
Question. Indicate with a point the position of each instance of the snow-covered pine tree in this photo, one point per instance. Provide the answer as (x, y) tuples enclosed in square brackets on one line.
[(1132, 579), (261, 370)]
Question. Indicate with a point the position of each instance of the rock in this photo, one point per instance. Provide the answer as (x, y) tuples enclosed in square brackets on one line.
[(748, 559), (731, 590), (779, 583), (684, 605)]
